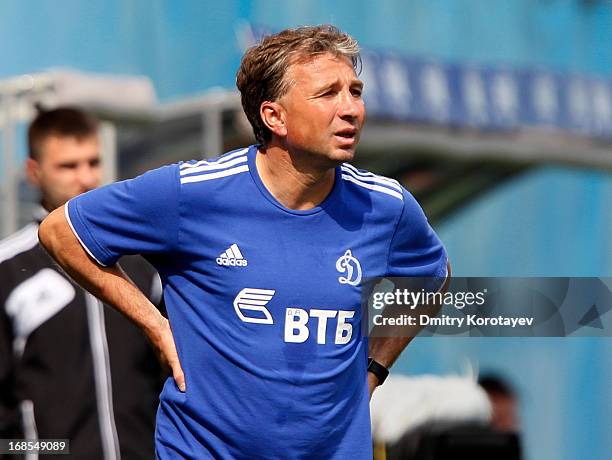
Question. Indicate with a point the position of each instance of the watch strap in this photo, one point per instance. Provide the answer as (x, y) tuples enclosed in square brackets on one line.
[(380, 371)]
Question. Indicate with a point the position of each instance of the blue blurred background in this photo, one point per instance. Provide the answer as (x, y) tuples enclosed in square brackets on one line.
[(547, 220), (191, 46)]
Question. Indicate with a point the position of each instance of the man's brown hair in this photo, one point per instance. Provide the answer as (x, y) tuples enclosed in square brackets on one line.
[(62, 122), (261, 76)]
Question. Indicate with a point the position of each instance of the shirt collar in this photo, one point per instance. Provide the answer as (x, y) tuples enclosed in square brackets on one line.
[(39, 213)]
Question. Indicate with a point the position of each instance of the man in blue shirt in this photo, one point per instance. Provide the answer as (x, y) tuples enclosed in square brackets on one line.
[(261, 253)]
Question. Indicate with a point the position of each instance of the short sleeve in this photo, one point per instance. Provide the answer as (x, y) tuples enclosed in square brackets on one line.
[(136, 216), (415, 249)]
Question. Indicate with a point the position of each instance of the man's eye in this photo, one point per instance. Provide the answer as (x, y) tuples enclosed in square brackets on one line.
[(356, 92), (68, 166), (94, 163)]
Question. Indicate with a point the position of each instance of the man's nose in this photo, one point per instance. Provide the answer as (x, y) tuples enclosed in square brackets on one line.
[(89, 176), (349, 105)]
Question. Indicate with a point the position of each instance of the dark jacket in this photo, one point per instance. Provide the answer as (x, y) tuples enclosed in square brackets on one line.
[(70, 367)]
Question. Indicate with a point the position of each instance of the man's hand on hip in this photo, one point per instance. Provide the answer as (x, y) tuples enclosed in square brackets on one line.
[(164, 345), (112, 286)]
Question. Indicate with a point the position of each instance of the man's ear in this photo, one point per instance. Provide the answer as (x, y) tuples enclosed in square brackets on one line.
[(32, 170), (273, 116)]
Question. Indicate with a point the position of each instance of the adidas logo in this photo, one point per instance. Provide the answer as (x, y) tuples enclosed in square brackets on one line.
[(232, 257)]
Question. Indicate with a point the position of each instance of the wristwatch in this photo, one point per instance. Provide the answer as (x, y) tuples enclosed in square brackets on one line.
[(380, 371)]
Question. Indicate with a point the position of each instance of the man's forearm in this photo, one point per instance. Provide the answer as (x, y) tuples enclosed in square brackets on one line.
[(109, 284), (112, 286), (386, 343)]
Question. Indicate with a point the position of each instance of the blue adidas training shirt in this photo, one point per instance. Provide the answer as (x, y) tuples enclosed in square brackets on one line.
[(264, 301)]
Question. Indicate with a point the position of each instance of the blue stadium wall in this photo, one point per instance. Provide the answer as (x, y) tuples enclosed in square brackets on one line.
[(549, 222), (560, 221), (190, 46)]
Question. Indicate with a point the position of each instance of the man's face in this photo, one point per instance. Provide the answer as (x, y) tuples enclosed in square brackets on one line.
[(66, 168), (323, 109)]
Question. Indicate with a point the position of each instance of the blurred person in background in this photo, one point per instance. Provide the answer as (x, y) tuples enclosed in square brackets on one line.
[(504, 403), (70, 368)]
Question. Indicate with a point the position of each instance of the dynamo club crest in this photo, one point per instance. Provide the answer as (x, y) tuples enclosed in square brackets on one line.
[(350, 267)]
